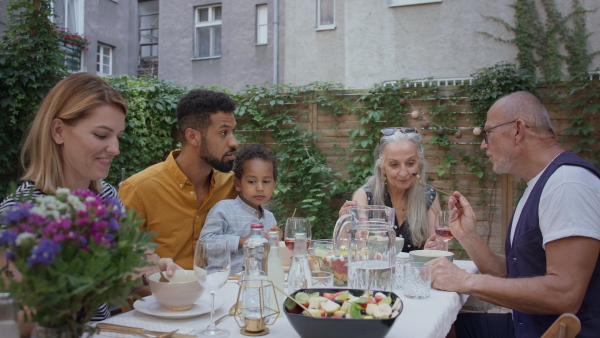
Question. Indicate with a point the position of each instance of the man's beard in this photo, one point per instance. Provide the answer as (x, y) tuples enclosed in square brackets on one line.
[(219, 164), (505, 164)]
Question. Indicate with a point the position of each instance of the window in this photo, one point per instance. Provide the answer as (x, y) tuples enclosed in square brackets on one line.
[(69, 14), (148, 28), (395, 3), (208, 32), (104, 59), (325, 14), (262, 19)]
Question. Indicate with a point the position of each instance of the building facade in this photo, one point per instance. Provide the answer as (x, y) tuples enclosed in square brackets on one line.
[(368, 42), (231, 43), (234, 43)]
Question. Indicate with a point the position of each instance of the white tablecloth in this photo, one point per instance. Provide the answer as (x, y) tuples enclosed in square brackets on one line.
[(428, 318)]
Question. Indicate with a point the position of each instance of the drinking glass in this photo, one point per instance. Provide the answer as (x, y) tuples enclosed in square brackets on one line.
[(401, 263), (322, 279), (295, 225), (442, 228), (212, 263), (417, 280)]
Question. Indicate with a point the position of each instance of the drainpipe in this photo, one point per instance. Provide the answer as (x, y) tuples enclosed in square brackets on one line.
[(275, 41)]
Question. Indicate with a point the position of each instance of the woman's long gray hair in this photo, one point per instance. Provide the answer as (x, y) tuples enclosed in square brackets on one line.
[(416, 214)]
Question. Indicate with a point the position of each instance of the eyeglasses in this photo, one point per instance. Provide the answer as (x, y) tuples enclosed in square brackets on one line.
[(392, 130), (486, 131)]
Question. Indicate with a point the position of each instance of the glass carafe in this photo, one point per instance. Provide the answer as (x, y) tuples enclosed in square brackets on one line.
[(369, 232)]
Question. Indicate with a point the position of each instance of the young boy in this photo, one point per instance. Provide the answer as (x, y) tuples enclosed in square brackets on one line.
[(255, 171)]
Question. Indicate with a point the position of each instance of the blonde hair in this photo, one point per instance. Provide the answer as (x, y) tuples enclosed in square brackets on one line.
[(416, 206), (70, 100)]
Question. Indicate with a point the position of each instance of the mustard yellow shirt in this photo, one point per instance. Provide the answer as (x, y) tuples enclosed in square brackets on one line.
[(163, 196)]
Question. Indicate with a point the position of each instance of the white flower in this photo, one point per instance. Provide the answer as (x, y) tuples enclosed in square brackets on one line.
[(61, 191), (76, 203), (22, 237), (50, 207)]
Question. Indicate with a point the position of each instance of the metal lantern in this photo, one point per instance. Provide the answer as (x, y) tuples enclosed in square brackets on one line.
[(256, 305)]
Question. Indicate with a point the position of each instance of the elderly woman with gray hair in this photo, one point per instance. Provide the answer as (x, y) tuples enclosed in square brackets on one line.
[(398, 156)]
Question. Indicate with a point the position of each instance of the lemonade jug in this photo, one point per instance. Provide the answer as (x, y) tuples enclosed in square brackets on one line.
[(368, 231)]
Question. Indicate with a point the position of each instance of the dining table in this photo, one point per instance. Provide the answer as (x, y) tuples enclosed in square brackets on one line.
[(429, 317)]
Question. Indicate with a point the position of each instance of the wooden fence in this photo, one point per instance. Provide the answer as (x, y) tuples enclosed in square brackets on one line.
[(493, 200)]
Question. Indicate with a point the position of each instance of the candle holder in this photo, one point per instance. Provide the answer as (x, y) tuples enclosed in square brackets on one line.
[(253, 310)]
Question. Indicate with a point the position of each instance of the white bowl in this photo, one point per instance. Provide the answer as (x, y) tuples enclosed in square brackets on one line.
[(422, 256), (180, 293)]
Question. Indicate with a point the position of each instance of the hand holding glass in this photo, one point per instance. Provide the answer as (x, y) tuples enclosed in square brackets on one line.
[(212, 267), (442, 228)]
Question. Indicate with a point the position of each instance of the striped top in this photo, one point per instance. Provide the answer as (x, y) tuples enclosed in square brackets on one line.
[(28, 188)]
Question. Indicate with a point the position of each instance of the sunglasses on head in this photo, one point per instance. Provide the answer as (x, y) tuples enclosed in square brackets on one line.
[(392, 130)]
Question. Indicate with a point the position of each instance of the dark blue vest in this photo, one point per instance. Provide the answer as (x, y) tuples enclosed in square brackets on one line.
[(527, 258)]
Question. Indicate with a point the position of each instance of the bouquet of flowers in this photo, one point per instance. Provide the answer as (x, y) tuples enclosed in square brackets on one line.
[(73, 252)]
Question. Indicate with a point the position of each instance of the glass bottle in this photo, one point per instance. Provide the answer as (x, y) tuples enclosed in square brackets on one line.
[(8, 316), (299, 276), (275, 268), (258, 240), (252, 283)]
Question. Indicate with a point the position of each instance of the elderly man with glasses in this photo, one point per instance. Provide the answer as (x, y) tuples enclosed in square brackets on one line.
[(551, 264)]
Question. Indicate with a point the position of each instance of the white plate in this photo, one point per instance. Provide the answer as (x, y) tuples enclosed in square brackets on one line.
[(150, 306)]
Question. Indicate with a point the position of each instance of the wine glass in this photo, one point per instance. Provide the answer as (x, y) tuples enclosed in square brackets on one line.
[(442, 228), (212, 263), (295, 225)]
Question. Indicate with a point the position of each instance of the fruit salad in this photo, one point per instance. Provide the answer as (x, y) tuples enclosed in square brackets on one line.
[(343, 304)]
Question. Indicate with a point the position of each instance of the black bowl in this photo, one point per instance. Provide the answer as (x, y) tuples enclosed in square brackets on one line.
[(327, 327)]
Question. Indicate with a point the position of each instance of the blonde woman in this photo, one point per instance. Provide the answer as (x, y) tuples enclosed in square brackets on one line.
[(398, 156), (71, 143)]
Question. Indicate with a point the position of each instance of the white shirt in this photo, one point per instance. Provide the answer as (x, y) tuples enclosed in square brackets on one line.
[(569, 204)]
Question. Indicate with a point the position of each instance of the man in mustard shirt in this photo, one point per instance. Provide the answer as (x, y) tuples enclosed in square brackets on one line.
[(175, 196)]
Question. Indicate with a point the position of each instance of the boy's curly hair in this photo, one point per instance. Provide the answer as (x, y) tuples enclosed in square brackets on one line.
[(250, 152)]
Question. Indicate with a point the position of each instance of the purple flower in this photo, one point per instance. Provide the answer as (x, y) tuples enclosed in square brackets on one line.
[(59, 237), (82, 221), (37, 219), (17, 213), (114, 225), (43, 253), (26, 228), (9, 255), (9, 236)]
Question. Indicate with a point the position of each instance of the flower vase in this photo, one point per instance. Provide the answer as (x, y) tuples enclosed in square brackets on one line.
[(40, 331)]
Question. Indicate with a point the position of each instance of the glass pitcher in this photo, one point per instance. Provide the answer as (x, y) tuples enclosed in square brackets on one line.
[(368, 230)]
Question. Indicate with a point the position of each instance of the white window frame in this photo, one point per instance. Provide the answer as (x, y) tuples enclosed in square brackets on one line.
[(324, 26), (262, 24), (212, 22), (100, 63), (79, 15), (398, 3)]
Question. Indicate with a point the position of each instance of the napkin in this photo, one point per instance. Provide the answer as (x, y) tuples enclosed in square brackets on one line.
[(141, 324)]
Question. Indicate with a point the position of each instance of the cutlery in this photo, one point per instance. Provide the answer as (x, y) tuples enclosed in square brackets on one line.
[(294, 300), (134, 330), (235, 277), (428, 186), (231, 313), (162, 279)]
